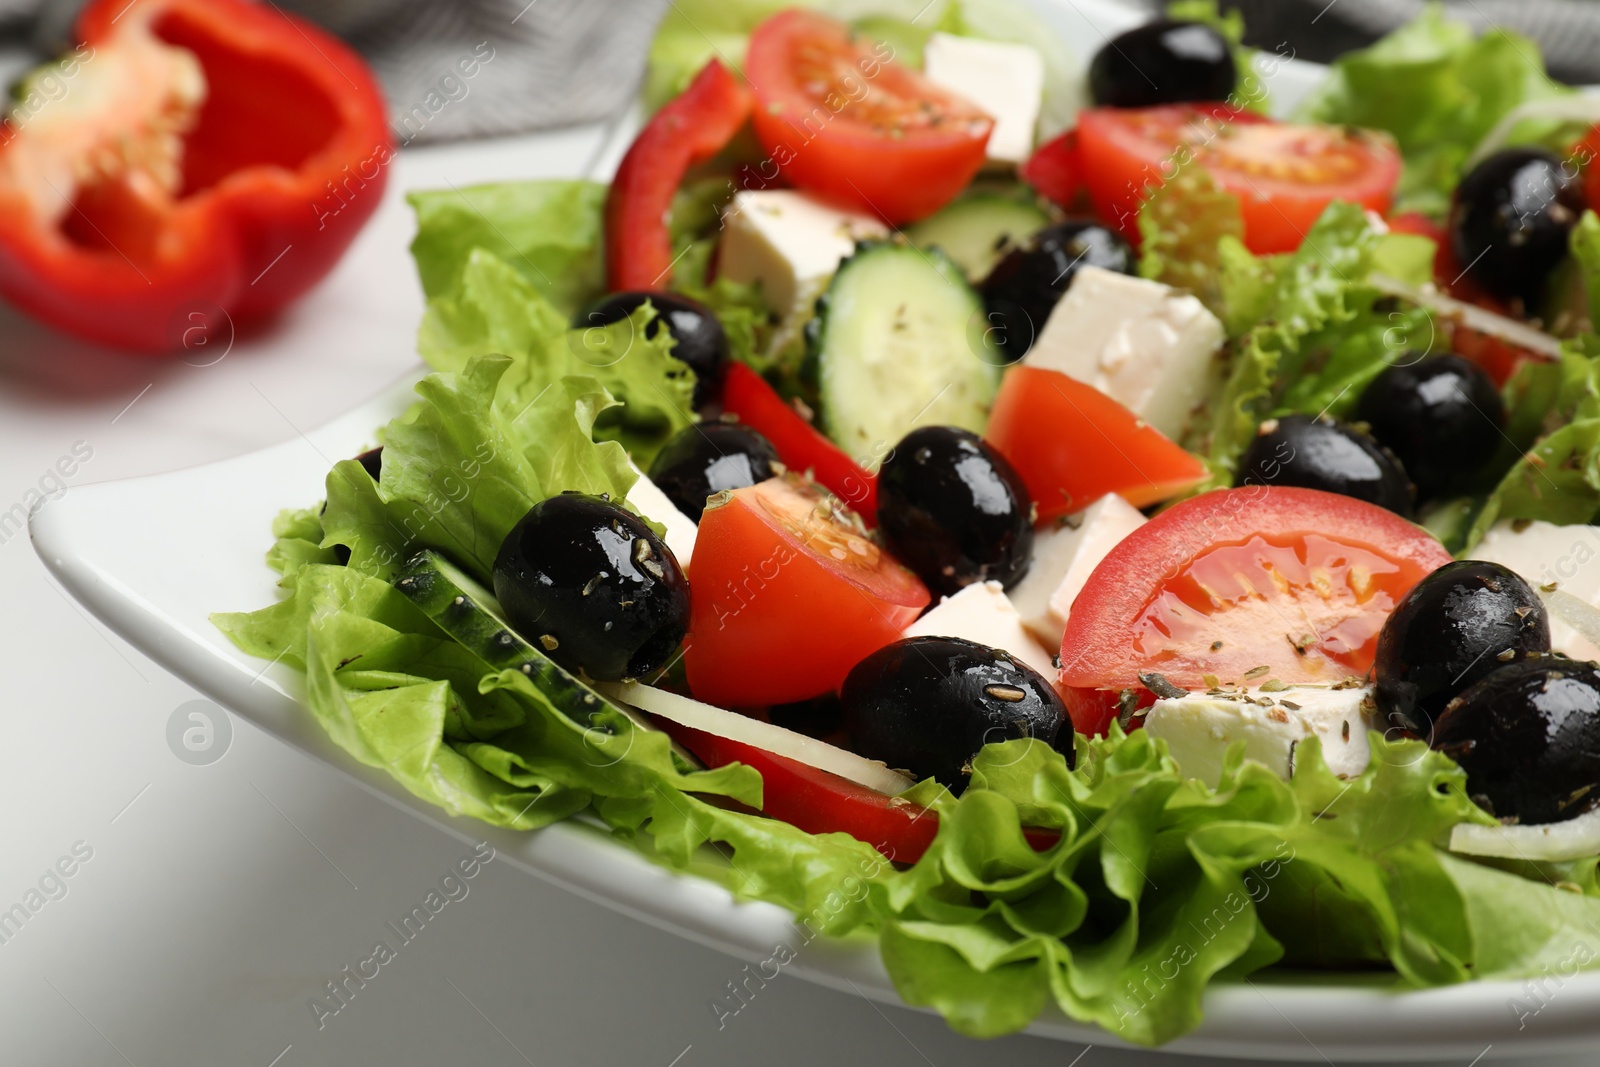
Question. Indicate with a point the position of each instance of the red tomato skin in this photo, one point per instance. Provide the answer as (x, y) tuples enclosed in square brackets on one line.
[(832, 153), (689, 129), (773, 621), (819, 802), (1119, 164), (1096, 652), (801, 446), (1072, 444), (1094, 710), (1055, 171)]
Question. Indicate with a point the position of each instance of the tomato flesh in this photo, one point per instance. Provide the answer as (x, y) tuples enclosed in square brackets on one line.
[(1072, 445), (1054, 170), (1239, 586), (840, 118), (1284, 175), (789, 594)]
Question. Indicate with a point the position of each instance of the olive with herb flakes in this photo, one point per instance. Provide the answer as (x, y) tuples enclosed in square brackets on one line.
[(1528, 736), (587, 581), (702, 460), (1511, 219), (1023, 288), (1453, 628), (953, 510), (1317, 453), (928, 704)]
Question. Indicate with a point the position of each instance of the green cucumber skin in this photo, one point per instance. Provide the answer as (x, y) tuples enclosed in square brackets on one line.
[(935, 367), (976, 231), (456, 604)]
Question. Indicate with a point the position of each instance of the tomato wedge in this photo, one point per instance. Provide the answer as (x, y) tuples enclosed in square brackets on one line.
[(789, 594), (1296, 581), (1283, 175), (690, 129), (802, 447), (1054, 170), (841, 118), (1072, 445), (822, 803)]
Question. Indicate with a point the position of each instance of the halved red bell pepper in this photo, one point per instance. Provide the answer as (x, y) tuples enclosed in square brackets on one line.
[(204, 155), (690, 129), (801, 446)]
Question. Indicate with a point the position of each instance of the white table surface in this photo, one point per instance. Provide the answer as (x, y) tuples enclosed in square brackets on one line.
[(220, 898)]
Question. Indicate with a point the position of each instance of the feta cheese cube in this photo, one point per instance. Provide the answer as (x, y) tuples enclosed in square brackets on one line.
[(1005, 81), (1145, 345), (1544, 554), (789, 243), (646, 498), (1063, 558), (983, 613), (1198, 728)]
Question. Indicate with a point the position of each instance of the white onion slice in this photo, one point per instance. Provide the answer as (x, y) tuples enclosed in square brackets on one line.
[(1577, 613), (763, 735), (1574, 839), (1471, 316), (1583, 108)]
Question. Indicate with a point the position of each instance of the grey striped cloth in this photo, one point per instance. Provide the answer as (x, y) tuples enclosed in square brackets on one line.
[(548, 63)]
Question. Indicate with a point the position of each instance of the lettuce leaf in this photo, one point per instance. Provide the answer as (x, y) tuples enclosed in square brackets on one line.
[(1438, 88)]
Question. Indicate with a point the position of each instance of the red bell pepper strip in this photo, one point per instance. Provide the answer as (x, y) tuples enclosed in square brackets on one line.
[(1054, 170), (801, 446), (690, 129), (820, 802), (217, 155)]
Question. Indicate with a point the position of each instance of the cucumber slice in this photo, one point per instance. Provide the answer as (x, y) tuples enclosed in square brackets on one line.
[(900, 341), (470, 613), (976, 231)]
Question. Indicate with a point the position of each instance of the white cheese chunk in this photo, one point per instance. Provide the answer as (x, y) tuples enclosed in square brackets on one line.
[(653, 504), (1005, 81), (1146, 345), (1544, 554), (983, 613), (1064, 555), (788, 243), (1198, 728)]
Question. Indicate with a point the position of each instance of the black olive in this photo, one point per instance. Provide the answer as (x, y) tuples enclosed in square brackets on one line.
[(953, 510), (1442, 417), (591, 584), (1456, 626), (1510, 220), (928, 704), (700, 340), (1024, 287), (1314, 453), (1528, 737), (703, 460), (1167, 61)]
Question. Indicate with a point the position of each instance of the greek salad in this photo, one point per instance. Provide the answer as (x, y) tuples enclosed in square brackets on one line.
[(1090, 535)]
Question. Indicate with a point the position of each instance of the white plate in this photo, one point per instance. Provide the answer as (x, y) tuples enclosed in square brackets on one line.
[(153, 557)]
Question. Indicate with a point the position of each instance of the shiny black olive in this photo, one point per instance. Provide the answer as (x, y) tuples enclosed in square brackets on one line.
[(1024, 287), (928, 704), (1456, 626), (706, 459), (700, 340), (591, 584), (1511, 218), (1167, 61), (1528, 737), (1314, 453), (953, 510), (1442, 417)]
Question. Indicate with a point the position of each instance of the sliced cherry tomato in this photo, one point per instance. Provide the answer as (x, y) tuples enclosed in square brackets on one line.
[(690, 129), (1072, 445), (842, 119), (1054, 170), (1243, 585), (800, 445), (1283, 175), (789, 594), (822, 803)]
